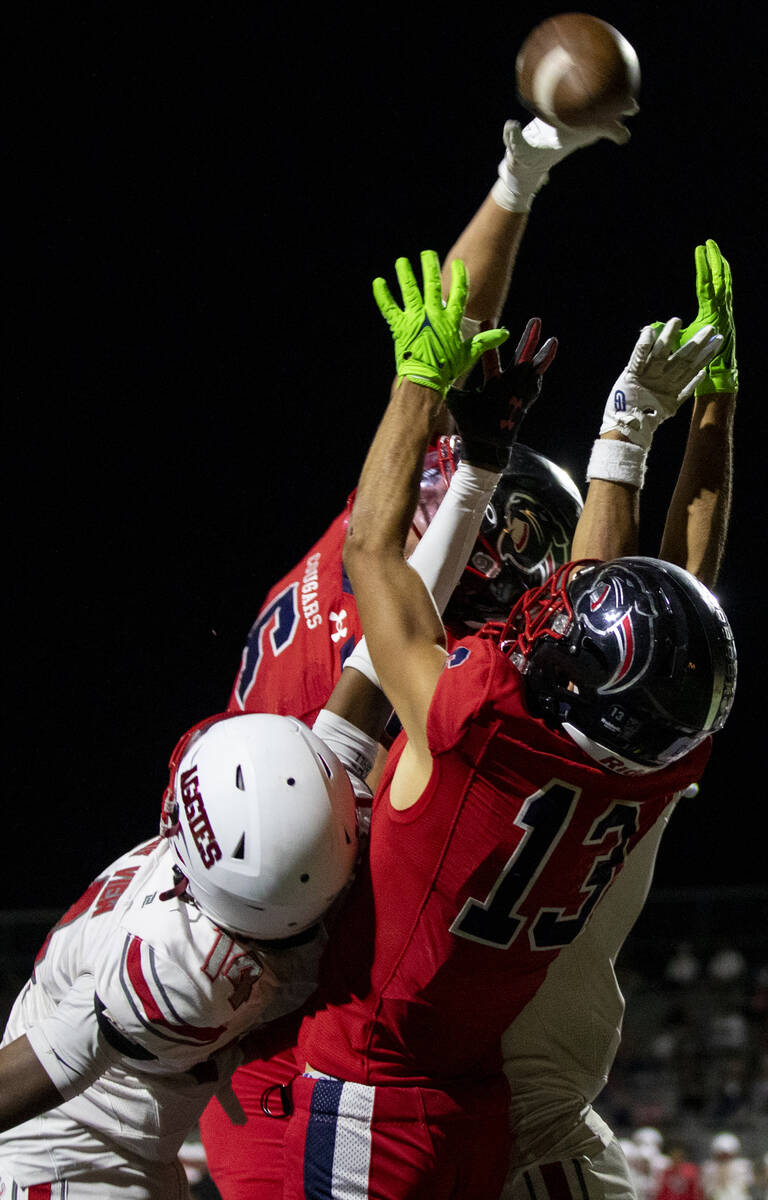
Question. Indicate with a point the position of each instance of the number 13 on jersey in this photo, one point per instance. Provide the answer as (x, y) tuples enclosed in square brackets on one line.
[(545, 817)]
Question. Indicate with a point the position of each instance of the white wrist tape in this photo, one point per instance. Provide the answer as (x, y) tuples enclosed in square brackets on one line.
[(354, 749), (442, 553), (617, 462), (507, 193)]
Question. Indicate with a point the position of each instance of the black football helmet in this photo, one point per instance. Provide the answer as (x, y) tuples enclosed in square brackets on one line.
[(634, 659), (526, 534)]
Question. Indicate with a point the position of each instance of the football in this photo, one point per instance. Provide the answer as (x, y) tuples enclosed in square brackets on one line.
[(577, 70)]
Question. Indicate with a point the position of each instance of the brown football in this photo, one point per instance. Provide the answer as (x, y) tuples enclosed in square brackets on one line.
[(577, 70)]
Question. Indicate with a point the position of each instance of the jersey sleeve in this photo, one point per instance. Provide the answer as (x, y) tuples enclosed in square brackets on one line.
[(461, 693), (70, 1043), (161, 1009)]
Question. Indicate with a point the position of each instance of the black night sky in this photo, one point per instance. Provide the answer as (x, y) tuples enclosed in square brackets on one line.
[(198, 364)]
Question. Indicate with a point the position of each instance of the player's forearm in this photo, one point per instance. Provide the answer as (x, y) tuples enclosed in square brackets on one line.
[(356, 699), (609, 523), (697, 522), (401, 624), (388, 489), (26, 1091), (488, 246)]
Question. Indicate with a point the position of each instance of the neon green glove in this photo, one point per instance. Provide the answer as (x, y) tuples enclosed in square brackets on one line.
[(429, 347), (715, 297)]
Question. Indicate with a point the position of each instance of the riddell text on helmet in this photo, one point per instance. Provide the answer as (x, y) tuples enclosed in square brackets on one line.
[(200, 826)]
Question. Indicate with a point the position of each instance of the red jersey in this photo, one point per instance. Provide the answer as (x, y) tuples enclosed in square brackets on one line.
[(680, 1181), (308, 624), (306, 629), (470, 894)]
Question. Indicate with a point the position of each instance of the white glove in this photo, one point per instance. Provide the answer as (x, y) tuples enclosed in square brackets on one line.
[(657, 379), (532, 151)]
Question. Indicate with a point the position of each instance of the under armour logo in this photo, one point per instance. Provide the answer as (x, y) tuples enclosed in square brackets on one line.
[(619, 401), (339, 619)]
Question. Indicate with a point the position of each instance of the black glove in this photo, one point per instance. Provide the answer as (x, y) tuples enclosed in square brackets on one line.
[(489, 418)]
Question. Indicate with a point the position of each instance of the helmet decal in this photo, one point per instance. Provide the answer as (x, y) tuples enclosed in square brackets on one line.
[(624, 635), (533, 538), (199, 824), (618, 607), (520, 533)]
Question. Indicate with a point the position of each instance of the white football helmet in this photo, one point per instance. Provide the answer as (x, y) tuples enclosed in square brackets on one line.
[(261, 817)]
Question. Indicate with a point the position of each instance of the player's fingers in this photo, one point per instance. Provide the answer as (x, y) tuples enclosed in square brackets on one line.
[(696, 353), (716, 269), (705, 290), (691, 386), (459, 290), (489, 341), (409, 288), (616, 132), (668, 340), (525, 348), (643, 347), (491, 365), (545, 356), (512, 135), (383, 297), (430, 274)]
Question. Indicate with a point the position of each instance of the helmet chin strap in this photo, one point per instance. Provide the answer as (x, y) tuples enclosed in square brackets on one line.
[(180, 885), (611, 760)]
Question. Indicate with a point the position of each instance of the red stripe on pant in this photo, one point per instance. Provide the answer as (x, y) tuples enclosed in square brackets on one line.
[(40, 1191)]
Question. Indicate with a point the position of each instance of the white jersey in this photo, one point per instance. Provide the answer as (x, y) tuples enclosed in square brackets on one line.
[(727, 1179), (559, 1051), (133, 1008)]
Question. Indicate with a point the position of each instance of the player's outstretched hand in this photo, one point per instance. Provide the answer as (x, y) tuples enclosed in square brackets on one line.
[(532, 150), (659, 376), (714, 292), (489, 419), (429, 347)]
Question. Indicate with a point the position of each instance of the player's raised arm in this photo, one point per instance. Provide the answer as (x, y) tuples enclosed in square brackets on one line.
[(489, 418), (659, 376), (489, 243), (697, 521), (403, 629)]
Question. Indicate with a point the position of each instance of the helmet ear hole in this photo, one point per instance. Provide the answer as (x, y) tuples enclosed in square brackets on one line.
[(239, 782), (239, 850), (596, 661)]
